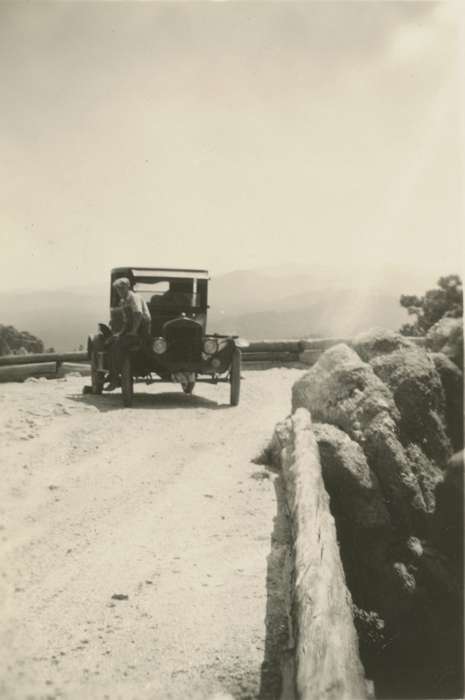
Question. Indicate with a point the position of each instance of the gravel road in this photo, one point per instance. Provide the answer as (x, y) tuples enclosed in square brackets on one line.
[(144, 554)]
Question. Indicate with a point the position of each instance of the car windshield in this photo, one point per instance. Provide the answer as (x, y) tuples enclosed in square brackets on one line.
[(177, 292)]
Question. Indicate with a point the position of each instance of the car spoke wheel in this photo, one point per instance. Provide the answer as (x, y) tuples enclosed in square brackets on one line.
[(188, 388), (97, 378), (235, 377), (127, 381)]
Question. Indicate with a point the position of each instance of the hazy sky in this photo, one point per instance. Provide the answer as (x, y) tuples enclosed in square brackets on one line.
[(228, 135)]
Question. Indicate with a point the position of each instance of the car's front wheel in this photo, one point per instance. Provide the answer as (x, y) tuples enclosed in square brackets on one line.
[(127, 381), (235, 378)]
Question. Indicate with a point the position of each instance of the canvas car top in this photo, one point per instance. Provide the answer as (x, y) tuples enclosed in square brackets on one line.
[(166, 287), (146, 274)]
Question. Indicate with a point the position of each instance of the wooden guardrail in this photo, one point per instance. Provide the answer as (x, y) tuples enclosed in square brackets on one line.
[(259, 354), (38, 358), (257, 350), (18, 368), (326, 655), (262, 354), (262, 347)]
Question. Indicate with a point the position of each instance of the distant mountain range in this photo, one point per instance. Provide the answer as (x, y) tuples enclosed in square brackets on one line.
[(270, 303)]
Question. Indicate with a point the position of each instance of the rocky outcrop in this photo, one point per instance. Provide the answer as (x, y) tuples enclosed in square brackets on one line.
[(452, 383), (353, 485), (446, 336), (342, 390), (418, 394), (448, 526), (345, 391), (386, 422), (380, 341), (363, 522)]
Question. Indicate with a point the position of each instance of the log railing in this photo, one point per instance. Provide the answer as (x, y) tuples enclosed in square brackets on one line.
[(259, 354), (326, 655)]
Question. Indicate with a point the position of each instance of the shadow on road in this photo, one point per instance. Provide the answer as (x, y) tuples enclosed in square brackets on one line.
[(277, 642), (167, 399)]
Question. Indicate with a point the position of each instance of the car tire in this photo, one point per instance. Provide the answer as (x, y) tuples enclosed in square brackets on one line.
[(127, 381), (188, 388), (97, 378), (235, 377)]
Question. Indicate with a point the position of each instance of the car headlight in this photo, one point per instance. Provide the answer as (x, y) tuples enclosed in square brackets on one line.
[(159, 346), (210, 346)]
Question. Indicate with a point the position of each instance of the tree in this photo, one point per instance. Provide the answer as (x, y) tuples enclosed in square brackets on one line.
[(445, 300), (13, 342)]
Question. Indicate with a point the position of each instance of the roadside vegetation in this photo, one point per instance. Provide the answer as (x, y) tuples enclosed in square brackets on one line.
[(14, 342), (444, 301)]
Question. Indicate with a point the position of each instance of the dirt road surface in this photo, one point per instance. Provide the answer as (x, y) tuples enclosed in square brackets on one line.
[(144, 553)]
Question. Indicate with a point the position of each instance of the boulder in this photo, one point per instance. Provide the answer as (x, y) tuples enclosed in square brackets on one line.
[(452, 383), (399, 482), (448, 533), (342, 390), (446, 336), (349, 480), (362, 518), (384, 413), (428, 475), (379, 341), (418, 394)]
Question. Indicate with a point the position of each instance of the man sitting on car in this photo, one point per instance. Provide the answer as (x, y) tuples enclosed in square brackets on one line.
[(136, 323), (179, 294)]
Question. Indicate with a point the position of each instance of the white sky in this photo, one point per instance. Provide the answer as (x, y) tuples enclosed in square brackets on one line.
[(228, 135)]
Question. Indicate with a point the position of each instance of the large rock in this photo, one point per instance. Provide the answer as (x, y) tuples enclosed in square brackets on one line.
[(452, 384), (362, 518), (448, 525), (402, 486), (379, 341), (446, 336), (418, 394), (354, 488), (427, 473), (342, 390), (383, 406), (374, 520)]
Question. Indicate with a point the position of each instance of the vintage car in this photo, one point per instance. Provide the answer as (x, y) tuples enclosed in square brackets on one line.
[(179, 349)]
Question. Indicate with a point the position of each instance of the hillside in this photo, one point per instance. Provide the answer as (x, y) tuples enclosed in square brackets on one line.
[(267, 303), (336, 313), (62, 318)]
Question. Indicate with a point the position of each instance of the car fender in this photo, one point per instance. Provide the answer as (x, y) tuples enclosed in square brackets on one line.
[(95, 342), (104, 330)]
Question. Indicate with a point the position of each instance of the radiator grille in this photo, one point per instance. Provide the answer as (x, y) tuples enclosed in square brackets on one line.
[(184, 341)]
